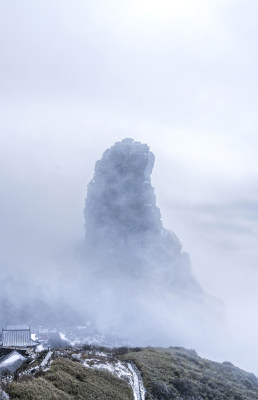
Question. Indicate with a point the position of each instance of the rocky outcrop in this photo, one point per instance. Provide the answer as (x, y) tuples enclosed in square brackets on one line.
[(139, 280), (123, 224), (121, 201)]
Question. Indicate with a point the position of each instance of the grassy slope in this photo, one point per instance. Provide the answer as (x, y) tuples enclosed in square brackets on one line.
[(172, 373), (68, 380), (176, 373)]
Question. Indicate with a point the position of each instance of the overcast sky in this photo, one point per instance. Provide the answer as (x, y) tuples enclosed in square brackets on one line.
[(76, 76)]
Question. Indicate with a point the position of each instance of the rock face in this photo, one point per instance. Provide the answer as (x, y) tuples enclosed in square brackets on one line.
[(121, 201), (132, 261), (123, 224)]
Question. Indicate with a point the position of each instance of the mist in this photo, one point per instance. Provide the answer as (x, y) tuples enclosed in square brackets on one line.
[(77, 78)]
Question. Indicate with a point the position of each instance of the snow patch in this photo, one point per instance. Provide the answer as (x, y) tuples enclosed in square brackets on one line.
[(46, 359), (39, 348), (63, 337)]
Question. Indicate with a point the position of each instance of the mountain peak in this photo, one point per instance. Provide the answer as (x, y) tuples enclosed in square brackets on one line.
[(121, 199), (135, 262)]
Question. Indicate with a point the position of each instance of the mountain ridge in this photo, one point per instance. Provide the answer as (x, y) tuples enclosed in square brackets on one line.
[(89, 372)]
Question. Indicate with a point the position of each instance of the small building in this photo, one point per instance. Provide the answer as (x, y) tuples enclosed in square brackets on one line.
[(12, 361), (17, 336)]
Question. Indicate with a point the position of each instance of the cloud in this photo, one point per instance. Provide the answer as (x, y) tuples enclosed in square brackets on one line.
[(77, 77)]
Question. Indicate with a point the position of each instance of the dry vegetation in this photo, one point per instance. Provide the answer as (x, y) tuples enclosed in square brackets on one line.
[(168, 374), (177, 373), (69, 380)]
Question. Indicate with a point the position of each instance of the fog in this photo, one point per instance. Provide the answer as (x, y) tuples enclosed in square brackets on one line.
[(77, 77)]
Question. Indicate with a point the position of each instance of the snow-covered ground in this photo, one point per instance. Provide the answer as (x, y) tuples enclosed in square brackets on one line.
[(46, 359), (138, 387)]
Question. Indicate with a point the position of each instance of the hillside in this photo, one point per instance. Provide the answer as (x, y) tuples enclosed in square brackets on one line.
[(67, 380), (171, 373), (177, 373)]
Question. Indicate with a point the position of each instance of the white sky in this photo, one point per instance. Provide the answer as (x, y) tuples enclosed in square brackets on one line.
[(76, 76)]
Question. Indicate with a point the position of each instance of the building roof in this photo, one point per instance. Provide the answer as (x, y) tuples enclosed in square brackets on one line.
[(17, 337), (16, 328), (4, 351), (12, 361)]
